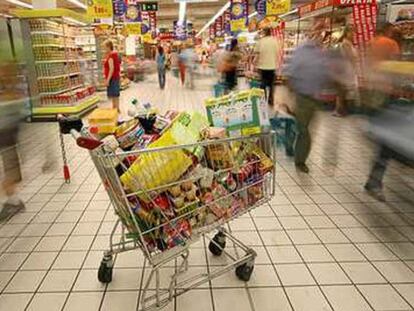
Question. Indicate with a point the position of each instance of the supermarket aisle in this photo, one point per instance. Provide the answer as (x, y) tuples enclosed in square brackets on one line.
[(322, 245)]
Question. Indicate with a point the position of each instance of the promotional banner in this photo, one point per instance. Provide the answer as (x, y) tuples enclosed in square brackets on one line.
[(218, 25), (212, 31), (119, 9), (277, 7), (132, 13), (145, 19), (364, 18), (180, 31), (152, 21), (226, 21), (239, 15), (99, 9)]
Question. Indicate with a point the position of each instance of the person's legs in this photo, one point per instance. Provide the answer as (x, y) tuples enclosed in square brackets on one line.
[(271, 82), (115, 104), (374, 183), (12, 174), (304, 114)]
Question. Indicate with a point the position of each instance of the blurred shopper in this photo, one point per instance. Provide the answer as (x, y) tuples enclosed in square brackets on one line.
[(384, 46), (161, 64), (230, 63), (189, 58), (112, 74), (181, 65), (347, 83), (267, 50), (390, 124), (308, 76), (11, 107)]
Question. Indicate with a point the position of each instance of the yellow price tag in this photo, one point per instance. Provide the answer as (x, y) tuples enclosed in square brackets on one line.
[(242, 39), (133, 28), (238, 25), (277, 7), (99, 8), (147, 38)]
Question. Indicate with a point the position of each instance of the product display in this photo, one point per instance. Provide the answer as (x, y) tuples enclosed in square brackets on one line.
[(61, 76)]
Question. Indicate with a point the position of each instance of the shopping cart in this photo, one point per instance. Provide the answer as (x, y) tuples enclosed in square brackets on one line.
[(153, 218)]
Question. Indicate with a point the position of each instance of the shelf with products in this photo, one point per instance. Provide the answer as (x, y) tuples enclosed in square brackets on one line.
[(59, 73)]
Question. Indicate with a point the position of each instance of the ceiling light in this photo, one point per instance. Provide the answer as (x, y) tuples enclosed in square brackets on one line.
[(181, 12), (21, 3), (78, 3), (219, 13)]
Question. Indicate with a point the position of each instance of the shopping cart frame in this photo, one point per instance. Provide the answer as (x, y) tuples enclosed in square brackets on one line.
[(104, 159)]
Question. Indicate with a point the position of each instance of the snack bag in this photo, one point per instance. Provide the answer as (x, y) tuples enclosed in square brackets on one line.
[(155, 169)]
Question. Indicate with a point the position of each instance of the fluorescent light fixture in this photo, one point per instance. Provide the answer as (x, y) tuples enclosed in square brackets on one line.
[(219, 13), (21, 3), (181, 12), (78, 3)]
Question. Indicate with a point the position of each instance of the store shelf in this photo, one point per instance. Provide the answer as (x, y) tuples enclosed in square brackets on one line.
[(55, 45), (58, 76), (51, 33), (64, 60), (60, 91), (79, 109)]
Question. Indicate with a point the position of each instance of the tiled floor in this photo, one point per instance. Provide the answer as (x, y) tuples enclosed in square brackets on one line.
[(323, 244)]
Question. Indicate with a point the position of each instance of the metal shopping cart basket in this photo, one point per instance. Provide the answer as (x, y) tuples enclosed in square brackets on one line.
[(163, 220)]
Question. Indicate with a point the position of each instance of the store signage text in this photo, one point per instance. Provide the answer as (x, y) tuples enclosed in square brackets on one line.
[(99, 8), (321, 4), (277, 7)]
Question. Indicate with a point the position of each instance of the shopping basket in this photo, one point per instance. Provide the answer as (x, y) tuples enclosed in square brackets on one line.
[(155, 220)]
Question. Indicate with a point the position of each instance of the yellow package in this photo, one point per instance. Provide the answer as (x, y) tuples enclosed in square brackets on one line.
[(105, 120), (155, 169)]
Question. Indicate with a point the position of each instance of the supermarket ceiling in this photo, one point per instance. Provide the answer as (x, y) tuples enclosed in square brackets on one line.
[(198, 13)]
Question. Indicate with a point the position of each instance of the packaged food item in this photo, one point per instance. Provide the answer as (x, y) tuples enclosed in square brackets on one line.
[(129, 133), (175, 191), (219, 156), (104, 120)]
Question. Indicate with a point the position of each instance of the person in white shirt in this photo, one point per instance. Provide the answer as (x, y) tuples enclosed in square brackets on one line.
[(267, 50)]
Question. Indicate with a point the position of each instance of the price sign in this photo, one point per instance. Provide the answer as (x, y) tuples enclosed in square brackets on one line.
[(277, 7), (99, 9), (133, 28)]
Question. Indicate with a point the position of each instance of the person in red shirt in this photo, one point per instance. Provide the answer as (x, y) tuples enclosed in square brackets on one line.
[(112, 74)]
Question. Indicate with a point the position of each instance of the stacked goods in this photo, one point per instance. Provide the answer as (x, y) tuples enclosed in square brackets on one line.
[(44, 25), (176, 193), (69, 98), (57, 69), (38, 39), (42, 53)]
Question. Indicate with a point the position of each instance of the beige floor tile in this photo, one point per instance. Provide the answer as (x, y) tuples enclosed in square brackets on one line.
[(294, 275), (304, 298), (383, 297), (345, 298)]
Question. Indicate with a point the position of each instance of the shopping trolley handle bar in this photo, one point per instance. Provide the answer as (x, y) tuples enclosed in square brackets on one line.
[(73, 126)]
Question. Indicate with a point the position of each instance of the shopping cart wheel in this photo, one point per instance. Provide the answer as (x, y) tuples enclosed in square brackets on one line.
[(105, 270), (244, 271), (218, 243)]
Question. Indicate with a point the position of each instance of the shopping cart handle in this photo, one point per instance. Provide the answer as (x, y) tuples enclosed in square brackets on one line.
[(86, 142), (66, 124)]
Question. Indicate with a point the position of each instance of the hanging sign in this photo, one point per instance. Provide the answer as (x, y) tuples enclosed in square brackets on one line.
[(212, 31), (149, 6), (132, 13), (239, 15), (180, 31), (226, 21), (152, 15), (277, 7), (99, 9), (119, 8), (132, 28)]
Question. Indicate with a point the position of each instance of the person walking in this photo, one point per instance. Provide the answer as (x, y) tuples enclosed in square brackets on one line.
[(267, 51), (161, 63), (112, 74), (231, 59), (307, 77)]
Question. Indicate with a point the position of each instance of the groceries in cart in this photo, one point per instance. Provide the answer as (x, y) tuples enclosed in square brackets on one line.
[(179, 174)]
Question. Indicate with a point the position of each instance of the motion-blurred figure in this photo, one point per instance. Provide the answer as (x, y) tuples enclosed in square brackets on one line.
[(11, 108), (266, 52), (161, 66), (308, 76), (231, 60), (390, 123), (188, 57), (347, 84)]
